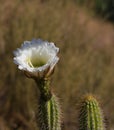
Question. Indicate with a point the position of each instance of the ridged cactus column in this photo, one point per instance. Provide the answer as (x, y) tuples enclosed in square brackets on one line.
[(49, 115), (90, 115)]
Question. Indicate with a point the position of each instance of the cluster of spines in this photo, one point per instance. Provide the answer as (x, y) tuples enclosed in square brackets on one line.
[(90, 115), (49, 114)]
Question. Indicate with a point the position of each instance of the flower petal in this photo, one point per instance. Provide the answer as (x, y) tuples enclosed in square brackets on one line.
[(36, 56)]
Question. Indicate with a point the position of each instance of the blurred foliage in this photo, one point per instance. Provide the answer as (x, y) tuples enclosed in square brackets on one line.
[(85, 66), (104, 8)]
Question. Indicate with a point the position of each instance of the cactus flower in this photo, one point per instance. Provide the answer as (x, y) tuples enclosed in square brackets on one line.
[(36, 57)]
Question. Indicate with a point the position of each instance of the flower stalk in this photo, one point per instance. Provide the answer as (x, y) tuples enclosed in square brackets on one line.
[(44, 87), (49, 115)]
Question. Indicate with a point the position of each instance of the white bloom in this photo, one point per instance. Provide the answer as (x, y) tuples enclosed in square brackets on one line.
[(36, 56)]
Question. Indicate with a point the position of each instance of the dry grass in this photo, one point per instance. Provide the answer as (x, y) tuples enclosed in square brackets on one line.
[(85, 66)]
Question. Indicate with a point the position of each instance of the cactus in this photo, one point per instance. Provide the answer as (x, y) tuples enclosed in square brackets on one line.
[(90, 115), (49, 114), (38, 63), (44, 87)]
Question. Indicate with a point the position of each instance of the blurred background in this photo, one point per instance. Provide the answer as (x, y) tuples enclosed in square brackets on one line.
[(84, 32)]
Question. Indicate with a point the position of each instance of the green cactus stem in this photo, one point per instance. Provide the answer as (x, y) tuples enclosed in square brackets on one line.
[(90, 115), (48, 117), (44, 87), (49, 114)]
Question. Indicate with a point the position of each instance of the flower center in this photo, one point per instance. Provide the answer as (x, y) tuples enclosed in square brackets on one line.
[(38, 57), (36, 62)]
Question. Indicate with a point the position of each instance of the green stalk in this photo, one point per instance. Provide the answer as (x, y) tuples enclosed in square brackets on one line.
[(49, 114), (44, 87)]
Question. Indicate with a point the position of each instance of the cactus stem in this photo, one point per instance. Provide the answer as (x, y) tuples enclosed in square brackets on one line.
[(49, 114), (90, 115)]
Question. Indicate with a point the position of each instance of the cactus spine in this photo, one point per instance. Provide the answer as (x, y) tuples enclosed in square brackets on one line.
[(49, 115), (90, 116)]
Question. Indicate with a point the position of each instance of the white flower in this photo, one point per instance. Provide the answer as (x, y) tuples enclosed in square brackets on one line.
[(36, 56)]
